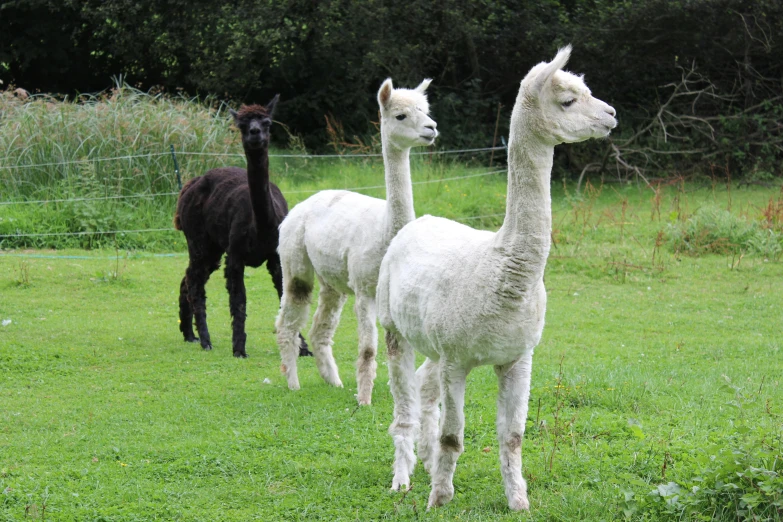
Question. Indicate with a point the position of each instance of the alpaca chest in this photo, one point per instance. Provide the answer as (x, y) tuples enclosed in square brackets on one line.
[(483, 334)]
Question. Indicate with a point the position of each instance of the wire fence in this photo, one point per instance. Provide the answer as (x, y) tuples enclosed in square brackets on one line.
[(217, 154), (3, 166), (144, 230), (136, 254), (311, 191)]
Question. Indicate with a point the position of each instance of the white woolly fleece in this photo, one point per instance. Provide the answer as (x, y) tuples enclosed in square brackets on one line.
[(466, 297), (341, 237)]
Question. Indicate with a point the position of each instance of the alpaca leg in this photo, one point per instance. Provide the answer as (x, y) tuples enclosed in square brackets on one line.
[(325, 320), (294, 309), (513, 396), (197, 276), (237, 302), (428, 379), (452, 388), (402, 381), (276, 271), (185, 313), (364, 307)]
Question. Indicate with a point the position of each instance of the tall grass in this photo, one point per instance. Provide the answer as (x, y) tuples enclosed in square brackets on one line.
[(39, 135), (101, 163)]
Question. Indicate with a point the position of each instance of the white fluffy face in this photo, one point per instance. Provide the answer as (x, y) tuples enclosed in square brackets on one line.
[(405, 120), (566, 109)]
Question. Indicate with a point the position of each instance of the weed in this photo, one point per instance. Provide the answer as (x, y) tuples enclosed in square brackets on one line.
[(23, 273), (738, 482), (712, 230), (342, 145), (560, 426)]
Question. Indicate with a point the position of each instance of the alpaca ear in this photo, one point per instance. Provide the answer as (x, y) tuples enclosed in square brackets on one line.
[(558, 62), (423, 85), (233, 114), (385, 92), (270, 107)]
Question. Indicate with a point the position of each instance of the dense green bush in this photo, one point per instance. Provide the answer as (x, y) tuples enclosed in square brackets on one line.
[(713, 230)]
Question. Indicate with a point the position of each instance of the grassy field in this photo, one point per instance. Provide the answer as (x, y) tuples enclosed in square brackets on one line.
[(656, 388)]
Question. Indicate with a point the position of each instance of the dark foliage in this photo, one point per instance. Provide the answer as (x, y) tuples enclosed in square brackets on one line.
[(328, 57)]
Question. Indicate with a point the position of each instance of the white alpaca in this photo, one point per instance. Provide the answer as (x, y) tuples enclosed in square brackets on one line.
[(466, 298), (342, 236)]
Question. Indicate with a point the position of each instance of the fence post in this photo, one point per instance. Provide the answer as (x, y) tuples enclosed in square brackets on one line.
[(495, 137), (176, 167)]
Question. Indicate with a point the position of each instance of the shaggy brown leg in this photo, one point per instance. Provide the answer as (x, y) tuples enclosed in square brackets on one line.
[(276, 271), (185, 313), (237, 302), (197, 276)]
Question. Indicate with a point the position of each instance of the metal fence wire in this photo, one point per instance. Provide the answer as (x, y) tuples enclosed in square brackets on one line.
[(187, 153)]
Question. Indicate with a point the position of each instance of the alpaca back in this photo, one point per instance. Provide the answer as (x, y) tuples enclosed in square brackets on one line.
[(338, 233), (212, 207), (212, 201)]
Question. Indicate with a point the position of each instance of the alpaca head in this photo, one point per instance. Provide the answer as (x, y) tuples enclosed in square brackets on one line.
[(405, 120), (559, 107), (254, 122)]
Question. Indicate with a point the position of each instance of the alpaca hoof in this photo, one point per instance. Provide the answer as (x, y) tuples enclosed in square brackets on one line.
[(440, 496), (293, 386), (519, 502), (400, 482), (364, 401), (331, 377), (191, 339), (336, 382), (240, 355), (206, 347)]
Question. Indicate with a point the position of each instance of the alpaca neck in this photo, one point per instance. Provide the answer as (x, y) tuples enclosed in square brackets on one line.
[(399, 192), (524, 239), (258, 182)]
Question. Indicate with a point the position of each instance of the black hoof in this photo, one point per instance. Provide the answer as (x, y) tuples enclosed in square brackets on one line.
[(191, 340), (207, 347), (240, 355)]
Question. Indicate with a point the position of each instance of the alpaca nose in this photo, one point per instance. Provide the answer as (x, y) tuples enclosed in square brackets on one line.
[(611, 111), (255, 131), (430, 127)]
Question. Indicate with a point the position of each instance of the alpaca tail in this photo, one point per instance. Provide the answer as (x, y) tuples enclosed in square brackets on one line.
[(190, 183)]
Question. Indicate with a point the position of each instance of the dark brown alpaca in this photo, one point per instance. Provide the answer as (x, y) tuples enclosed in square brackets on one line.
[(238, 212)]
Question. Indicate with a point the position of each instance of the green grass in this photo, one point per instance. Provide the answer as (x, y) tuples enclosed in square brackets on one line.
[(655, 368), (656, 388)]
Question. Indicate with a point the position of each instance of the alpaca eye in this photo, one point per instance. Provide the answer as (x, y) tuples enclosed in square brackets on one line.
[(568, 103), (401, 117)]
